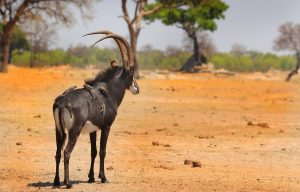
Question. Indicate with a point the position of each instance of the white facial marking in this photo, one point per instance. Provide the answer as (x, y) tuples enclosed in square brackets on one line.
[(134, 88)]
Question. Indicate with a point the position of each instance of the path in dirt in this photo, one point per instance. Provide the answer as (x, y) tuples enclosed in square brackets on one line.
[(191, 116)]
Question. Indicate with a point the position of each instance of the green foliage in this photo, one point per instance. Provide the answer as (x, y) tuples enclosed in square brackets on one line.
[(82, 56), (252, 62), (159, 60), (191, 15), (18, 40)]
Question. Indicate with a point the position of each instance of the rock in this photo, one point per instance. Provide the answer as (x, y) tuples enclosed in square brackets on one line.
[(188, 162), (29, 129), (281, 131), (167, 145), (206, 137), (155, 143), (37, 116), (196, 164), (263, 125), (175, 124), (19, 143), (110, 168), (250, 123), (161, 129)]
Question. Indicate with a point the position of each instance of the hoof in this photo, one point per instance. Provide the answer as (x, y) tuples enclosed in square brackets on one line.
[(104, 180), (91, 180), (69, 186), (56, 182)]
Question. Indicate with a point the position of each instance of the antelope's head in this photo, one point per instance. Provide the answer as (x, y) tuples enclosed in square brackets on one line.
[(126, 71)]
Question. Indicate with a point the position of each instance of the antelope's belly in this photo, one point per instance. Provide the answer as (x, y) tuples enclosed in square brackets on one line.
[(89, 127)]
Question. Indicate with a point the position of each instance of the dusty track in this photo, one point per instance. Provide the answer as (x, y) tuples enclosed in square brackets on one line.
[(202, 117)]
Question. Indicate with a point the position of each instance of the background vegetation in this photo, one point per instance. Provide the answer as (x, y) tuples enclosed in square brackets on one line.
[(172, 59)]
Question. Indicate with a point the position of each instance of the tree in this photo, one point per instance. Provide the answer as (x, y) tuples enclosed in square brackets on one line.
[(13, 12), (172, 50), (41, 36), (206, 47), (238, 49), (134, 24), (18, 42), (191, 16), (289, 39), (147, 48)]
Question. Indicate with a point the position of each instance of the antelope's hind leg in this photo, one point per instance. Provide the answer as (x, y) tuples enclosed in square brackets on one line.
[(93, 139), (60, 139), (72, 139)]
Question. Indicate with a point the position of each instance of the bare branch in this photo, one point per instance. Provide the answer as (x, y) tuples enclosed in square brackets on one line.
[(125, 12)]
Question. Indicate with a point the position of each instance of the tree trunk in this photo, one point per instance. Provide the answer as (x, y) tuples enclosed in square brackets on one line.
[(189, 65), (10, 55), (195, 59), (4, 52), (295, 71), (196, 48)]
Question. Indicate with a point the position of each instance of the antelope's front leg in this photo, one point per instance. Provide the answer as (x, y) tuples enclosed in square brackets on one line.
[(93, 138), (102, 153)]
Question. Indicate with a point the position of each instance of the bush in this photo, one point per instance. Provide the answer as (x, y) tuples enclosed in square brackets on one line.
[(82, 56), (252, 61)]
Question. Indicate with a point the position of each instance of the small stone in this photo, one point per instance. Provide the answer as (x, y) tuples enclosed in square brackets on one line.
[(175, 124), (155, 143), (161, 129), (167, 145), (196, 164), (188, 162), (29, 129), (19, 143), (263, 125), (250, 123), (110, 168), (37, 116), (281, 131)]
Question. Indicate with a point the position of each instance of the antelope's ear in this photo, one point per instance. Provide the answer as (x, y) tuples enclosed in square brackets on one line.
[(114, 63)]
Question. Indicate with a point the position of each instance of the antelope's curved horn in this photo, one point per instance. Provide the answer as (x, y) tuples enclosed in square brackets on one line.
[(120, 44), (126, 44)]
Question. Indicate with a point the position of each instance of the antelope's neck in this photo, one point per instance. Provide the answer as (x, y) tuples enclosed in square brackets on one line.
[(117, 91)]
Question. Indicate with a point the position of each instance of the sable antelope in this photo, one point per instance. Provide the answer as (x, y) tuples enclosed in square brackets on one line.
[(91, 108)]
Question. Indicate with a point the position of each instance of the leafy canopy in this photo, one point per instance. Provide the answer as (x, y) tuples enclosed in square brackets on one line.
[(190, 15), (18, 40)]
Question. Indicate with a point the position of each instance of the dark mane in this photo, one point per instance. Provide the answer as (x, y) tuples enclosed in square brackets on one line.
[(103, 76)]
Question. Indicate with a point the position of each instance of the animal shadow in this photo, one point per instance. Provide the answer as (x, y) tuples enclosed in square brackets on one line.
[(50, 184)]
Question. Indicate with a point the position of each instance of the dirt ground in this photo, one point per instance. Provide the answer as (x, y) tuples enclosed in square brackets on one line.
[(199, 117)]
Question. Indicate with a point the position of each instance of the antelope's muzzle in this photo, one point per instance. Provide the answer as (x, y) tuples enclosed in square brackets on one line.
[(134, 88)]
